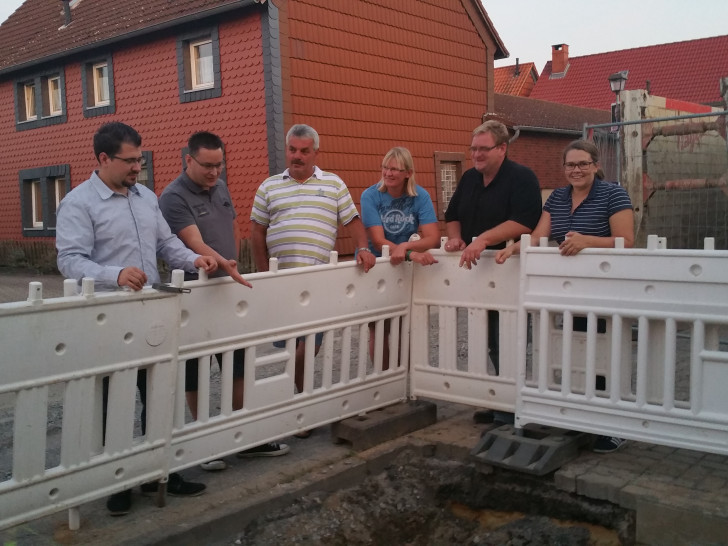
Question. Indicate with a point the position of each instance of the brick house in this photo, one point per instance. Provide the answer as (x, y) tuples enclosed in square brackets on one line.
[(688, 71), (541, 132), (368, 75), (517, 79)]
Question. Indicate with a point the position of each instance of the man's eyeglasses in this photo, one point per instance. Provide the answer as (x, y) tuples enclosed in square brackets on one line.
[(476, 149), (210, 166), (392, 170), (142, 161), (582, 165)]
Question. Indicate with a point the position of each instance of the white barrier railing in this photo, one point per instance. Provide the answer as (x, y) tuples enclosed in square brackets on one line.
[(585, 373), (589, 375), (336, 300), (55, 353), (452, 308)]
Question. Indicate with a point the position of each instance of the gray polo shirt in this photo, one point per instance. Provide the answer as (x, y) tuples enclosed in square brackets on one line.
[(184, 203)]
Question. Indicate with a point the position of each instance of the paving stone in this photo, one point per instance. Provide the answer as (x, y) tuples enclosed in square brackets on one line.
[(601, 487), (685, 526), (376, 427)]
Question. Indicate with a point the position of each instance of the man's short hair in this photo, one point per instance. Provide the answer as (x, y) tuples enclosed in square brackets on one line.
[(203, 139), (110, 136), (301, 130), (496, 129)]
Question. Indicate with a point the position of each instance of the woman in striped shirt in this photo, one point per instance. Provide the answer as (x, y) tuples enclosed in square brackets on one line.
[(588, 213)]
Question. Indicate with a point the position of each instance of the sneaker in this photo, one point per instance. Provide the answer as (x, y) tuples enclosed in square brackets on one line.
[(214, 466), (483, 417), (273, 449), (608, 444), (176, 486), (119, 504)]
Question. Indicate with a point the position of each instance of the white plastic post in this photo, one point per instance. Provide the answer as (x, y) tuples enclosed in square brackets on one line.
[(35, 292), (652, 242), (709, 243), (619, 242), (74, 518), (87, 286), (333, 258), (178, 278), (202, 274), (70, 288), (385, 251), (273, 265)]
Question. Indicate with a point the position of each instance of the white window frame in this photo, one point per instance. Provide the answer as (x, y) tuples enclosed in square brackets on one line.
[(98, 86), (54, 96), (36, 199), (59, 190), (195, 64), (30, 106)]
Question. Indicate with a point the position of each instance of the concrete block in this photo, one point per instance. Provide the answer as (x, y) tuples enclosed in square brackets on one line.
[(533, 449), (602, 487), (383, 425)]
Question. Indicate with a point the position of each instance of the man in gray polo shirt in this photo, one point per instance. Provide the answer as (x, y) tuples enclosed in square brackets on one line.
[(198, 207)]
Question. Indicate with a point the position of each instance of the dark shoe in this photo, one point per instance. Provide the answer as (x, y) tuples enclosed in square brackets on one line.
[(176, 486), (273, 449), (608, 444), (483, 417), (501, 418), (119, 504)]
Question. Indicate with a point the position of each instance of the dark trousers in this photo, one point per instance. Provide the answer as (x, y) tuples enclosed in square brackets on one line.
[(494, 339)]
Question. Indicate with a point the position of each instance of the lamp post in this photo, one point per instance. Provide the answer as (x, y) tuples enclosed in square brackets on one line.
[(616, 84)]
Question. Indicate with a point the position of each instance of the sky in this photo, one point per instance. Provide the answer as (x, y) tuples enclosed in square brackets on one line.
[(529, 28)]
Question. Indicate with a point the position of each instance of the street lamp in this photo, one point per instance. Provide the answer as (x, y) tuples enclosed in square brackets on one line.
[(616, 83)]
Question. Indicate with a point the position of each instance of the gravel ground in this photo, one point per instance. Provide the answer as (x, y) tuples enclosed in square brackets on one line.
[(428, 502)]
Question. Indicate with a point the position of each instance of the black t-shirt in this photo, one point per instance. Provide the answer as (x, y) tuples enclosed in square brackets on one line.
[(514, 194)]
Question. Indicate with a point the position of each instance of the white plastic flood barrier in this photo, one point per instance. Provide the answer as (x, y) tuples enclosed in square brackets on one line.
[(451, 310), (338, 301), (54, 356), (665, 387)]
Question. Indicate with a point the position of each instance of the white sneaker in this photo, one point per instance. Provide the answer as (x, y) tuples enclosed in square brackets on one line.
[(214, 466)]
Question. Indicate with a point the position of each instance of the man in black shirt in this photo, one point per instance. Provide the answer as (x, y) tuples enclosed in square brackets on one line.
[(495, 201)]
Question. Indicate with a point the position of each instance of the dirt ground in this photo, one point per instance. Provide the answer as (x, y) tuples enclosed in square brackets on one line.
[(428, 502)]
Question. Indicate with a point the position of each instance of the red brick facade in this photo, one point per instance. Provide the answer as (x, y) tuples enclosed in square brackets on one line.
[(367, 75)]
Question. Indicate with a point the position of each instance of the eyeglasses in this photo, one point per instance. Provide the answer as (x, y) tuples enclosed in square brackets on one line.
[(392, 170), (482, 149), (210, 166), (582, 165), (131, 160)]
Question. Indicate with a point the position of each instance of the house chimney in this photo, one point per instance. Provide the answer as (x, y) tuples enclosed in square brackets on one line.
[(518, 68), (559, 58), (66, 12)]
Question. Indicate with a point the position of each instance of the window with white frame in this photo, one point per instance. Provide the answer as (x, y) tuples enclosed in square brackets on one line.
[(36, 204), (40, 100), (448, 170), (198, 65), (201, 56), (101, 84), (51, 97), (146, 175), (30, 112), (97, 82), (41, 191)]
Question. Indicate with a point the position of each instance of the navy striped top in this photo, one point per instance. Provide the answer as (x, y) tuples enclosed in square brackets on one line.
[(591, 217)]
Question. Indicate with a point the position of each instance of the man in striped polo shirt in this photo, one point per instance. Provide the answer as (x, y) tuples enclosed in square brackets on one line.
[(296, 215)]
